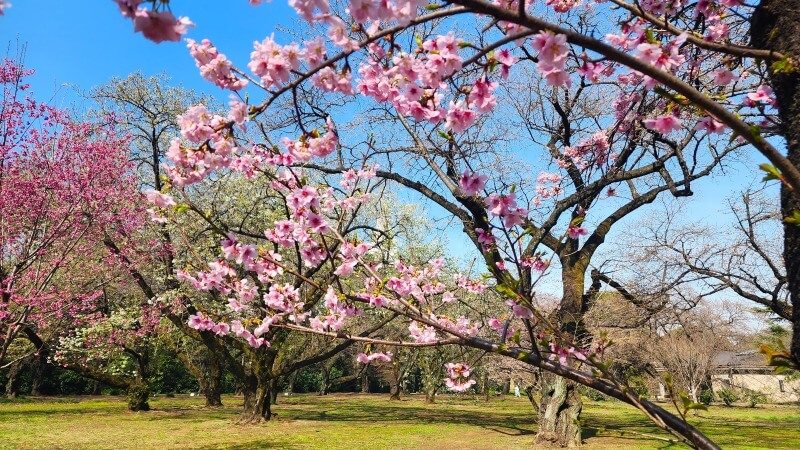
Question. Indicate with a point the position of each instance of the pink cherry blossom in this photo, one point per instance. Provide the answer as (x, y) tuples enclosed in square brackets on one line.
[(160, 26), (663, 124), (710, 125), (762, 94), (472, 183), (723, 77), (160, 200), (575, 232)]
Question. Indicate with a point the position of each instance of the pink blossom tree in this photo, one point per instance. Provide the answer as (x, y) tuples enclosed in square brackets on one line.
[(62, 189)]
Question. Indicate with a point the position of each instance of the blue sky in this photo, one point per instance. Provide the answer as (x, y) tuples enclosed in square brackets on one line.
[(75, 44)]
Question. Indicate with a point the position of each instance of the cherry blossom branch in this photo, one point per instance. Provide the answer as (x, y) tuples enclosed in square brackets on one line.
[(712, 45), (789, 171), (662, 418), (348, 336)]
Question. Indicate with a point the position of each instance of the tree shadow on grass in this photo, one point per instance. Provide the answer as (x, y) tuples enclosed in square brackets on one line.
[(257, 444), (502, 422)]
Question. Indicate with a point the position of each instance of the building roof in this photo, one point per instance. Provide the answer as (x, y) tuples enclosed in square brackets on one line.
[(750, 359)]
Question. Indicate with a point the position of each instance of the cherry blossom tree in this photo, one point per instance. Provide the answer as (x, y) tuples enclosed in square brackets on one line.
[(63, 187)]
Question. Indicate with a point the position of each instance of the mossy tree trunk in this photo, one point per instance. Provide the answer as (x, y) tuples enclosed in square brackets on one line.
[(273, 391), (37, 376), (256, 388), (257, 406), (213, 382), (560, 405), (775, 25), (13, 379), (365, 382), (138, 396), (559, 411)]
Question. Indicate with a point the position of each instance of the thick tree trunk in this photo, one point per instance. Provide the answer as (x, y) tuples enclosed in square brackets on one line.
[(97, 388), (775, 25), (560, 405), (559, 410), (430, 393), (257, 406), (213, 383), (325, 383), (138, 395), (14, 380), (394, 391), (37, 377), (396, 381)]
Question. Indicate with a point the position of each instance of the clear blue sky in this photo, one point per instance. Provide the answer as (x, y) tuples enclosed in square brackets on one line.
[(86, 43)]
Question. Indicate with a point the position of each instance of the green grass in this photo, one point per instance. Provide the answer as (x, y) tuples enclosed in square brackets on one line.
[(349, 421)]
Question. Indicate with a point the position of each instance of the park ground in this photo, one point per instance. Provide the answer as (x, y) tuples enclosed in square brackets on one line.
[(351, 421)]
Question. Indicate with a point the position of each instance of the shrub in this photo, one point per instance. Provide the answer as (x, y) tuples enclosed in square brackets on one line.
[(591, 394), (753, 398), (728, 396), (706, 396)]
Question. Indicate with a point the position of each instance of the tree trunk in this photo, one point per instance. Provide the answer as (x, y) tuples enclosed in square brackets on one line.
[(325, 383), (394, 390), (775, 25), (430, 393), (529, 392), (37, 377), (273, 391), (364, 382), (292, 380), (138, 395), (97, 388), (486, 387), (559, 410), (395, 385), (213, 382), (256, 402), (14, 380), (560, 405)]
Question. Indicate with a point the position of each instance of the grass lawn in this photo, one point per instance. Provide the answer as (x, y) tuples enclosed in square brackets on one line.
[(350, 421)]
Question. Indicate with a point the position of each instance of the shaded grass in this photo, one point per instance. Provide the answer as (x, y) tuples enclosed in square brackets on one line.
[(351, 421)]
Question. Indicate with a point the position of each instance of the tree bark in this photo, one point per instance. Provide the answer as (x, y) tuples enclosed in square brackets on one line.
[(775, 25), (138, 395), (325, 383), (292, 380), (273, 391), (37, 377), (213, 383), (14, 380), (257, 406), (560, 405), (365, 382), (394, 391), (430, 394), (558, 412)]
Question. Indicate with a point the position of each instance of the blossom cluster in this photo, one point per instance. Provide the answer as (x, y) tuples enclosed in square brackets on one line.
[(458, 377), (158, 26)]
